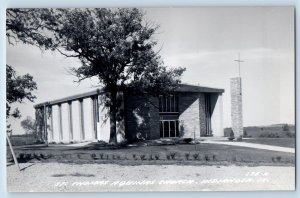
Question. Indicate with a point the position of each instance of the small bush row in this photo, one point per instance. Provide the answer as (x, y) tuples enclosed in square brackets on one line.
[(24, 157), (197, 156), (269, 135)]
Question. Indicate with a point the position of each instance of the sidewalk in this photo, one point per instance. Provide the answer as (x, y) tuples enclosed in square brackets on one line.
[(251, 145)]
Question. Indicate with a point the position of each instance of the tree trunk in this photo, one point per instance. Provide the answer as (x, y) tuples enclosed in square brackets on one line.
[(113, 116)]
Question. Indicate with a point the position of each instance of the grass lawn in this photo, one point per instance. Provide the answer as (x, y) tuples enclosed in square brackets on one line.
[(270, 131), (208, 154), (284, 142)]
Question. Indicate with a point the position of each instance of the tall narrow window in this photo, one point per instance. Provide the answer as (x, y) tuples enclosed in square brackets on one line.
[(168, 112), (208, 115), (169, 128), (161, 128), (172, 129), (168, 104), (166, 129)]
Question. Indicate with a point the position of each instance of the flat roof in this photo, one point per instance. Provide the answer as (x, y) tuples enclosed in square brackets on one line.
[(70, 98), (196, 88), (181, 88)]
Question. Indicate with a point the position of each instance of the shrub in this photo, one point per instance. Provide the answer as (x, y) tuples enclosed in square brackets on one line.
[(21, 156), (273, 159), (187, 140), (134, 156), (269, 135), (28, 156), (93, 156), (207, 157), (187, 156), (214, 157), (36, 156), (172, 155), (101, 155), (42, 156), (143, 157), (157, 156), (231, 135), (168, 157), (196, 156), (151, 158), (39, 142), (24, 157), (278, 158)]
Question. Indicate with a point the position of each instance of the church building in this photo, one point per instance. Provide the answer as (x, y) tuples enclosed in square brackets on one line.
[(190, 112)]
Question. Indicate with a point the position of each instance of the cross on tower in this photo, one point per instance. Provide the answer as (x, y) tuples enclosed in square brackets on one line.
[(239, 62)]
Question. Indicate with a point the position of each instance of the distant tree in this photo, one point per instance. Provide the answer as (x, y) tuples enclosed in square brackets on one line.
[(114, 45), (285, 127), (28, 125)]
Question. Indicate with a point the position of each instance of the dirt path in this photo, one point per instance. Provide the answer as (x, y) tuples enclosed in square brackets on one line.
[(43, 177)]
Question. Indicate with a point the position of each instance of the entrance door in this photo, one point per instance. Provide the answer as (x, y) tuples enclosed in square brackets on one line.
[(169, 128)]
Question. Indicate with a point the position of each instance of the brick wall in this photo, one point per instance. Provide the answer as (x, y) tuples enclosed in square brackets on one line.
[(236, 106), (142, 115), (191, 114)]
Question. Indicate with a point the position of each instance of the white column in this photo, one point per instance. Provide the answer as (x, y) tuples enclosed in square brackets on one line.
[(94, 118), (71, 136), (60, 123), (81, 120), (45, 136), (51, 124)]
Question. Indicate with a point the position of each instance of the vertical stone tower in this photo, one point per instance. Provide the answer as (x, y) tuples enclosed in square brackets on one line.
[(236, 106)]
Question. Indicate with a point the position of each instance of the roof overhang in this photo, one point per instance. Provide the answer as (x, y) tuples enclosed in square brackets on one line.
[(182, 88), (198, 89)]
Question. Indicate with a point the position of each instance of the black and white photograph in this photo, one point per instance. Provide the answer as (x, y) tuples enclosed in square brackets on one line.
[(150, 99)]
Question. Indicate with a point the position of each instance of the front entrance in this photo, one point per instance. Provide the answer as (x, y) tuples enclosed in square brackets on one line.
[(168, 116), (168, 128)]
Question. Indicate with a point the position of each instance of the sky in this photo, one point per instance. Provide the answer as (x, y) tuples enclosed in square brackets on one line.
[(205, 40)]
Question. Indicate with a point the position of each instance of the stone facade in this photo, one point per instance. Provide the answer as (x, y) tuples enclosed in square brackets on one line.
[(191, 114), (236, 106)]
